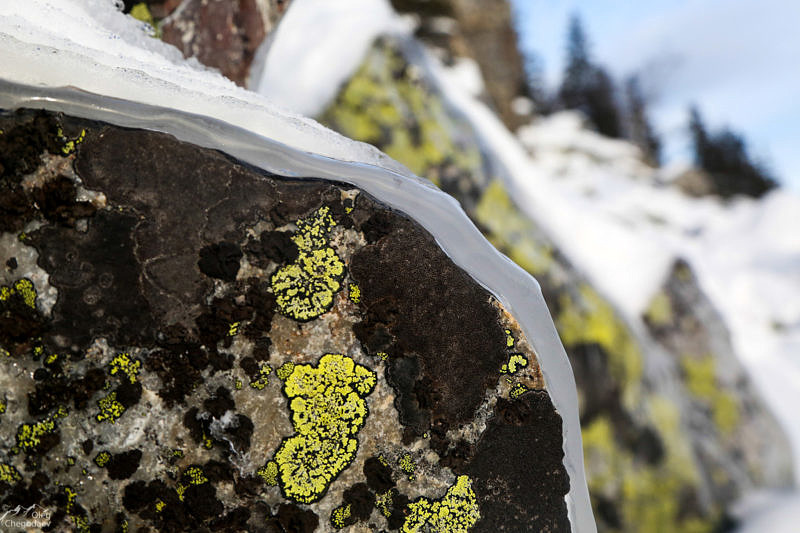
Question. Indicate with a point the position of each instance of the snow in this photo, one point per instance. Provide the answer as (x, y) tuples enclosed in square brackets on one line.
[(305, 82), (90, 44)]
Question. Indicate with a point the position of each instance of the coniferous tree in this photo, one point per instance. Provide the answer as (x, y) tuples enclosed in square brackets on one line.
[(640, 131), (723, 155), (588, 87), (534, 84)]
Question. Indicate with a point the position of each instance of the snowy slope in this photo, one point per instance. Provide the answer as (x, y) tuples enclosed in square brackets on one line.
[(745, 254)]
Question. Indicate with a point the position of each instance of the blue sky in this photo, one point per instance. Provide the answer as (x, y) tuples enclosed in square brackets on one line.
[(739, 60)]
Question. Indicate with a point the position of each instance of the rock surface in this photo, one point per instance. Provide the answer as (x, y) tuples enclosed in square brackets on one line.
[(191, 344)]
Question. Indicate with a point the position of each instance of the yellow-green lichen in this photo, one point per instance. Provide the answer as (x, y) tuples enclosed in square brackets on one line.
[(3, 406), (701, 380), (263, 377), (516, 361), (233, 329), (304, 289), (354, 293), (269, 473), (383, 501), (590, 319), (9, 474), (407, 465), (110, 408), (68, 145), (456, 512), (102, 459), (160, 506), (512, 232), (647, 496), (285, 370), (509, 339), (79, 521), (328, 409), (517, 390), (237, 384), (22, 287), (30, 435), (142, 13), (195, 475), (659, 312), (340, 516), (123, 364), (385, 105)]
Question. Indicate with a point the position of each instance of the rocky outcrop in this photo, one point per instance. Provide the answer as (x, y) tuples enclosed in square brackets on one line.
[(219, 33), (483, 31), (190, 343), (671, 438)]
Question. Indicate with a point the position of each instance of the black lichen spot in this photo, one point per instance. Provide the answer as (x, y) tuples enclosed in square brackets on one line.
[(378, 226), (201, 501), (217, 471), (21, 146), (379, 475), (97, 276), (361, 501), (219, 403), (87, 446), (260, 298), (199, 427), (232, 522), (251, 367), (220, 260), (217, 320), (292, 519), (123, 465), (510, 487), (178, 365), (19, 322), (54, 389), (261, 349), (11, 264), (275, 246), (398, 510), (128, 394), (57, 200)]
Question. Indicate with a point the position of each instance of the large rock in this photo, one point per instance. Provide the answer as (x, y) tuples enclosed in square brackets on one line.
[(191, 343)]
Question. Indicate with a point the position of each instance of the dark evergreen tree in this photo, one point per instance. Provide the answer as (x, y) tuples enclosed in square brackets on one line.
[(723, 155), (588, 87), (535, 85), (639, 129)]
